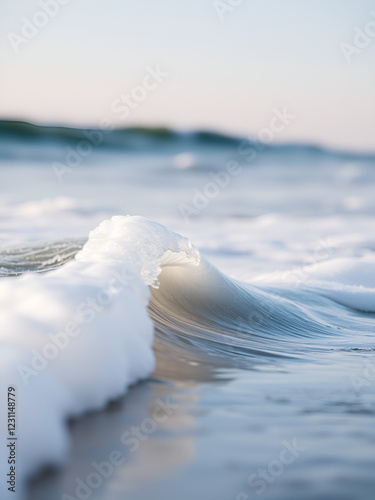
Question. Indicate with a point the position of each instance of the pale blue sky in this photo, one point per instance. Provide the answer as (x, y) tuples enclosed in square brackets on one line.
[(226, 75)]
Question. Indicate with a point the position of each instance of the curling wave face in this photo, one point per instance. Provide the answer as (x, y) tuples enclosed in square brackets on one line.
[(84, 332), (198, 306)]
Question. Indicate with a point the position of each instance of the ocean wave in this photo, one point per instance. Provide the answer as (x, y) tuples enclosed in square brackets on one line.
[(77, 336)]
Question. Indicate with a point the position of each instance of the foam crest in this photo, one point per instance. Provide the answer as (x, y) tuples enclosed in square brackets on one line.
[(139, 242)]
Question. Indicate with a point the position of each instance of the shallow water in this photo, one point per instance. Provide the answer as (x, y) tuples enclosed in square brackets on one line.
[(227, 429)]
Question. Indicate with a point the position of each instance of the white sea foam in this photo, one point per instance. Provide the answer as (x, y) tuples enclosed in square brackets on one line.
[(77, 337), (350, 282)]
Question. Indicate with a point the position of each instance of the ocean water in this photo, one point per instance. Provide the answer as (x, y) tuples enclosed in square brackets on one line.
[(186, 315)]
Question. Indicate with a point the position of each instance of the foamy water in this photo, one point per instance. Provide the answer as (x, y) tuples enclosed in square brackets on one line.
[(274, 271)]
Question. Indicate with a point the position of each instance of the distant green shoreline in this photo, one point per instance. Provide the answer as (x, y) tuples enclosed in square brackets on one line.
[(142, 137)]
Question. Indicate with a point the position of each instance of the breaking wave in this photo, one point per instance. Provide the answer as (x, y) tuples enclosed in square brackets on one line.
[(84, 331)]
